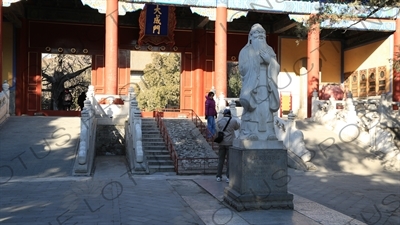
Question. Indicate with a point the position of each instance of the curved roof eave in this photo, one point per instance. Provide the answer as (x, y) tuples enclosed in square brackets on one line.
[(269, 6)]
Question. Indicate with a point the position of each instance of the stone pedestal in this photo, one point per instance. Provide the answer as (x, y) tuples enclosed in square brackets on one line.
[(258, 177)]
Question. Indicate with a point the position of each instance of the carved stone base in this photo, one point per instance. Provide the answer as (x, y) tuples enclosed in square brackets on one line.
[(258, 179), (243, 202)]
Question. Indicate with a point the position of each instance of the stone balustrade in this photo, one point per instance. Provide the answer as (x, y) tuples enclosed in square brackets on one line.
[(293, 139), (95, 106), (133, 138), (4, 102), (86, 151), (87, 131), (372, 121)]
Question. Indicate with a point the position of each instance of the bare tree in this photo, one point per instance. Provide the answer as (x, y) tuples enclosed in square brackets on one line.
[(64, 71)]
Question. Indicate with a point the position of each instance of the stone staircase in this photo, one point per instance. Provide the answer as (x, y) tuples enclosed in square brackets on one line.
[(155, 150)]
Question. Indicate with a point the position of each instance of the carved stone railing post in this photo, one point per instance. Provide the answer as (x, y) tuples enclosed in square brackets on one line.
[(132, 107), (314, 103), (86, 128), (90, 95), (351, 116), (221, 105), (6, 90), (302, 112), (132, 94), (131, 97), (291, 125), (138, 140), (87, 109), (398, 108), (135, 123), (131, 114), (372, 126), (383, 110), (213, 90), (232, 107)]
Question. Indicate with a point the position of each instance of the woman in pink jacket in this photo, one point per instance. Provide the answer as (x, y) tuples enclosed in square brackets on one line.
[(211, 114)]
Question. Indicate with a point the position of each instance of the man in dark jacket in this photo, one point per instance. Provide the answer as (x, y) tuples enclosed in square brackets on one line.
[(229, 135), (81, 100), (66, 98)]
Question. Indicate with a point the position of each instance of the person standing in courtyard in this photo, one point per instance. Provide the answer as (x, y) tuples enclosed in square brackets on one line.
[(66, 98), (81, 100), (211, 114), (231, 125)]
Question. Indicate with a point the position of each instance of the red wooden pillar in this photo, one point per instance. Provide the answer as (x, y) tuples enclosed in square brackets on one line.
[(220, 55), (312, 64), (22, 59), (111, 45), (200, 57), (396, 56)]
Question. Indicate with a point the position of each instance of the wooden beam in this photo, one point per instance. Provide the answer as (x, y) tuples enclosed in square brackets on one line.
[(13, 19), (13, 13), (283, 25), (203, 22)]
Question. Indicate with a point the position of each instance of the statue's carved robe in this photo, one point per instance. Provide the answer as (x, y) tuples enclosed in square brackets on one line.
[(259, 95)]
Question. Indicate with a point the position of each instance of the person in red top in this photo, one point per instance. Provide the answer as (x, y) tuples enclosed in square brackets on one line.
[(211, 114)]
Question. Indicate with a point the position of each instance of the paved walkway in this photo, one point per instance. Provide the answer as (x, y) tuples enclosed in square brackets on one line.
[(36, 157)]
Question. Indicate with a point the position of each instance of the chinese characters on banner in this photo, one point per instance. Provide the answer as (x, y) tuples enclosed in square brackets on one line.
[(157, 20), (157, 24)]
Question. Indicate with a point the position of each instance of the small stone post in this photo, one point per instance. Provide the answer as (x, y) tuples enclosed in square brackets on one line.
[(398, 108), (135, 123), (314, 103), (132, 106), (302, 113), (6, 90), (87, 117), (221, 105), (232, 107), (90, 94), (372, 131), (351, 116), (291, 123), (382, 110), (86, 125)]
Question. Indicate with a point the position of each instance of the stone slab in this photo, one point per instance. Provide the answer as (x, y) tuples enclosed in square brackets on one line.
[(258, 179)]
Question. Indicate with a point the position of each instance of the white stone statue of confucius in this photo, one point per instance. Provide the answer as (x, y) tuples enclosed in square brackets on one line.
[(259, 95)]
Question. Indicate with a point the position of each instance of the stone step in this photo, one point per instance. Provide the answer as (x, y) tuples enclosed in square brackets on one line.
[(153, 139), (159, 143), (146, 123), (151, 130), (149, 127), (148, 146), (159, 162), (156, 151), (151, 135), (161, 168), (156, 156), (148, 119)]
